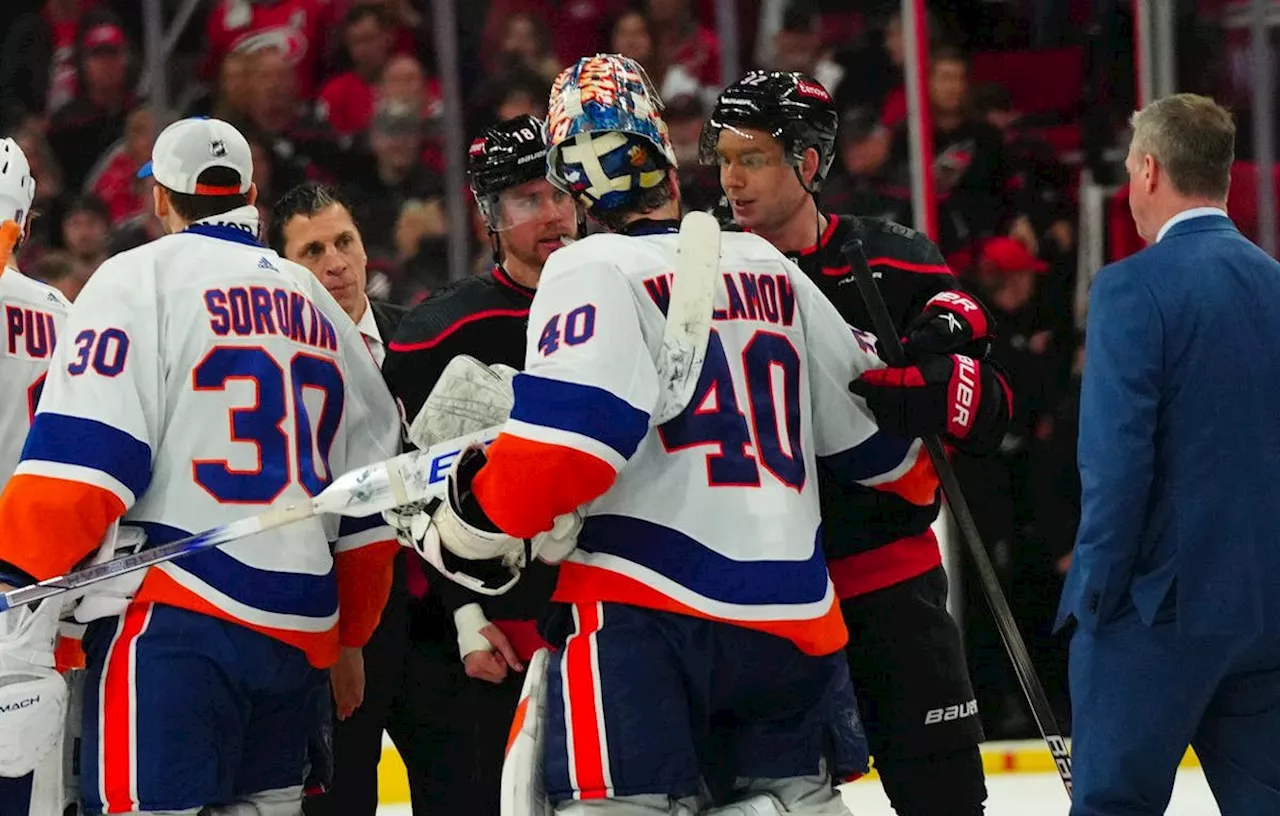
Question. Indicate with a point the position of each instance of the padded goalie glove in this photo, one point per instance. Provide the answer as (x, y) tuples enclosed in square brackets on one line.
[(964, 399), (469, 396), (33, 696), (952, 322)]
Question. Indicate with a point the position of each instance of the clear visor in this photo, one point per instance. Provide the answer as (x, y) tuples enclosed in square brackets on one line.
[(544, 203), (752, 149)]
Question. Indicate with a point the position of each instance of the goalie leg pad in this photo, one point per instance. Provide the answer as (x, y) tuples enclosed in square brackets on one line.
[(33, 696), (524, 790)]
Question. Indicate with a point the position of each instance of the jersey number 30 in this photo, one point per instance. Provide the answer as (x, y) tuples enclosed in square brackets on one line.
[(714, 418), (264, 424)]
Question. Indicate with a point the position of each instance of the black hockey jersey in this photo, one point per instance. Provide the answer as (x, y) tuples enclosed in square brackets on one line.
[(486, 318), (874, 539)]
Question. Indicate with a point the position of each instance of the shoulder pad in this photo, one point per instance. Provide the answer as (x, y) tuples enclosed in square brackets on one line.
[(887, 239), (445, 307)]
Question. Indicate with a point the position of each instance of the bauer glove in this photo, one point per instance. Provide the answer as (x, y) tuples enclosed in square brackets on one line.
[(964, 399), (952, 322)]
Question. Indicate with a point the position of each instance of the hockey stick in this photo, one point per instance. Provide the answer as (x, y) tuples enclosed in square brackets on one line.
[(688, 328), (894, 355), (398, 481), (422, 474)]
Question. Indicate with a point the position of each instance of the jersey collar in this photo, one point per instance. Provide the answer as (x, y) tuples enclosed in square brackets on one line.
[(825, 238), (502, 277), (225, 233), (649, 226)]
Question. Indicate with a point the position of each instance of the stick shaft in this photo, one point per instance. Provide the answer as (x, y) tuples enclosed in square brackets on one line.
[(894, 355)]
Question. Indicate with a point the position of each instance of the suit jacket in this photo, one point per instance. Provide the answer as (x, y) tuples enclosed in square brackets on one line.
[(387, 317), (1180, 437)]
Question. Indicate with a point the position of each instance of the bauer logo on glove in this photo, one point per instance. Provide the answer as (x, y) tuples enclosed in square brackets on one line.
[(952, 322)]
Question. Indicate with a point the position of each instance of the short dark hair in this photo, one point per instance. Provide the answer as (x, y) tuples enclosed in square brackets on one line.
[(367, 11), (645, 202), (948, 53), (306, 199), (195, 207), (87, 203)]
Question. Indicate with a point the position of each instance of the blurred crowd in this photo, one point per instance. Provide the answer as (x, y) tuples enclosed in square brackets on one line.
[(347, 91)]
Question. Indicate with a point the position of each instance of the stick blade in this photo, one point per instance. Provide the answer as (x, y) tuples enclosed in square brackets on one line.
[(688, 328)]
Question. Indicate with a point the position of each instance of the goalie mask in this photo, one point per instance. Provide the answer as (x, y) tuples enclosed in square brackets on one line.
[(606, 138), (789, 106)]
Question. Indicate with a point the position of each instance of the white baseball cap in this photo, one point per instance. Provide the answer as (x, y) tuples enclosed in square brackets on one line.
[(188, 147), (17, 187)]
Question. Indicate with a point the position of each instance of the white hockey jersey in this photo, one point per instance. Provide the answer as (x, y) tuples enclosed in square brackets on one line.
[(203, 379), (33, 319), (715, 513)]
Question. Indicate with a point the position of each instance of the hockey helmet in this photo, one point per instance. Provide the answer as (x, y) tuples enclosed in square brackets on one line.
[(17, 187), (506, 155), (606, 138), (790, 106)]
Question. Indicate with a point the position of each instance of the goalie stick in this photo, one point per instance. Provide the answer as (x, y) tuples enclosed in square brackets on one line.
[(891, 346), (419, 475)]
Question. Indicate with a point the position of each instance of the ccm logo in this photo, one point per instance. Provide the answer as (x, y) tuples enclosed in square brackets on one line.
[(19, 705), (964, 390), (955, 712)]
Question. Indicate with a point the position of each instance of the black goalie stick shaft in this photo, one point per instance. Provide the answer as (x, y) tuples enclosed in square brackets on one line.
[(891, 347)]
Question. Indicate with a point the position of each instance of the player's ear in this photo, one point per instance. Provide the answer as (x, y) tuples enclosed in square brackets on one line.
[(253, 193), (809, 165), (160, 202)]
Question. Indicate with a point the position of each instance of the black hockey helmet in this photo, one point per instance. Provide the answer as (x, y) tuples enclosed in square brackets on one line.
[(504, 156), (790, 106)]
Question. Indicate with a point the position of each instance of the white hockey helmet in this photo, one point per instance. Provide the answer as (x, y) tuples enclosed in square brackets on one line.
[(17, 187)]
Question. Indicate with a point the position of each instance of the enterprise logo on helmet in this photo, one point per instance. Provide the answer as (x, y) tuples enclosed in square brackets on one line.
[(813, 90)]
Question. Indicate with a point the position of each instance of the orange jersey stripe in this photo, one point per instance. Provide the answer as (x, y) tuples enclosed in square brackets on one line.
[(321, 648), (51, 524), (526, 484), (364, 582), (580, 583), (919, 485)]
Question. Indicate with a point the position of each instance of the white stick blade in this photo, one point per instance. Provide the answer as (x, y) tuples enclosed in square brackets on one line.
[(688, 328)]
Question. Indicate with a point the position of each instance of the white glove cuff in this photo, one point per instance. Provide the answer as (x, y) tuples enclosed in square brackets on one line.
[(469, 620)]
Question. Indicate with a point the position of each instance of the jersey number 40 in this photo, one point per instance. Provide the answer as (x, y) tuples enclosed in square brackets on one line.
[(713, 416), (264, 425)]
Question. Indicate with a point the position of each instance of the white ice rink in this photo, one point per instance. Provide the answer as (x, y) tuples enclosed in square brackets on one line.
[(1020, 794)]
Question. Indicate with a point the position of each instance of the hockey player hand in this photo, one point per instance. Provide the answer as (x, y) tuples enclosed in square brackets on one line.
[(950, 394), (492, 664), (952, 322), (347, 679)]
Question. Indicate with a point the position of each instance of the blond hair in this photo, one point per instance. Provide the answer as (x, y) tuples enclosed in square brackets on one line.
[(1193, 138)]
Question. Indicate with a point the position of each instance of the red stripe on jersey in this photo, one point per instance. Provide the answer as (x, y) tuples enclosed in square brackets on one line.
[(588, 746), (117, 731), (583, 583), (927, 269), (885, 566), (471, 318), (526, 484)]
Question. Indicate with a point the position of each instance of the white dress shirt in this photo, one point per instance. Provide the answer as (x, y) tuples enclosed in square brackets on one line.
[(372, 337), (1185, 215)]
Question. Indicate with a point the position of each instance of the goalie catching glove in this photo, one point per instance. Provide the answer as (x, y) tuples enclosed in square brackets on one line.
[(966, 400)]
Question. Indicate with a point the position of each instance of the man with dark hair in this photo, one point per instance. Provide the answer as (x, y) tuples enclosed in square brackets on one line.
[(773, 134), (347, 99), (1172, 584), (204, 379), (486, 317)]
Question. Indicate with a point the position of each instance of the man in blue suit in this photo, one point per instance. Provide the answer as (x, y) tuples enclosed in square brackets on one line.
[(1175, 579)]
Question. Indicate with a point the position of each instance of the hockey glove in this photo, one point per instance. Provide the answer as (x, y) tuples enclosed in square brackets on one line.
[(952, 322), (33, 696), (951, 394)]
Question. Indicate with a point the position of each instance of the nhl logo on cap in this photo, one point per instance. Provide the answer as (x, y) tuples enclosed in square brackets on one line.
[(218, 148)]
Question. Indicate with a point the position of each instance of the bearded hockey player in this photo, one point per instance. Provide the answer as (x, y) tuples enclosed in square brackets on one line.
[(32, 694), (773, 135), (202, 376), (700, 639)]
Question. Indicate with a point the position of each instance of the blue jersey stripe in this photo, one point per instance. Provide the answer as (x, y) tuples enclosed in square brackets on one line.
[(580, 409), (350, 525), (874, 456), (280, 593), (88, 443), (678, 557)]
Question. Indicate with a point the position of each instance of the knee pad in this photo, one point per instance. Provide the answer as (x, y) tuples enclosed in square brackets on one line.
[(945, 784)]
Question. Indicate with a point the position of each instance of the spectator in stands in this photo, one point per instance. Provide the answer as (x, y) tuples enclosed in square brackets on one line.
[(114, 179), (797, 46), (631, 35), (525, 42), (510, 94), (86, 222), (347, 100), (397, 175), (421, 256), (48, 177), (228, 99), (84, 128), (683, 41), (60, 270), (298, 28), (300, 144), (138, 230), (877, 66), (37, 60), (405, 20), (865, 181), (577, 26)]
